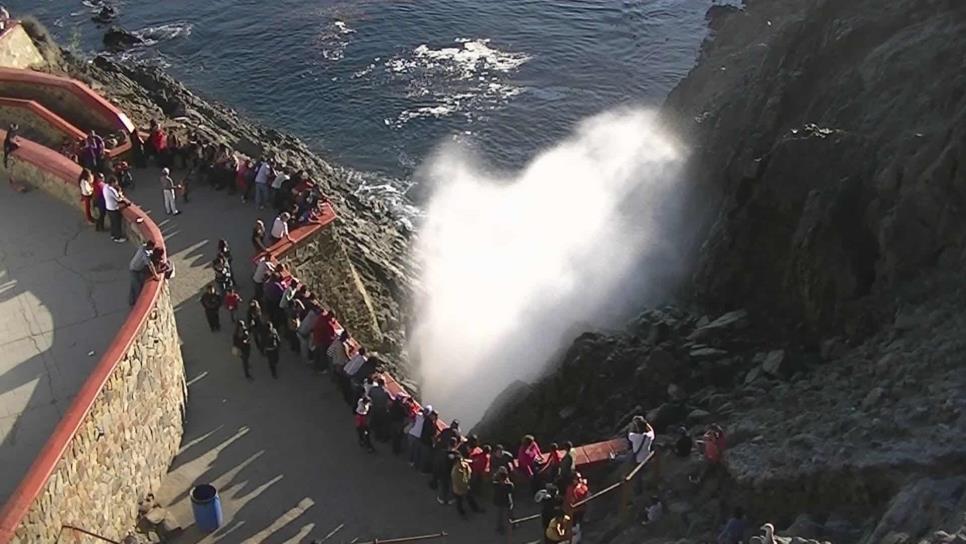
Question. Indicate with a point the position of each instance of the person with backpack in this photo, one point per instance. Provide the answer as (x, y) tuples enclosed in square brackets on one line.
[(461, 476), (444, 463), (502, 498)]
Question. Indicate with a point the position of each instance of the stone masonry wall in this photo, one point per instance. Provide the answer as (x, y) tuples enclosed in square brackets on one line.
[(129, 436), (60, 101), (125, 444), (17, 49), (33, 126), (322, 263)]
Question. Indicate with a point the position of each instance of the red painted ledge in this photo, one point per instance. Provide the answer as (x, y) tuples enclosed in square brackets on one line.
[(45, 463)]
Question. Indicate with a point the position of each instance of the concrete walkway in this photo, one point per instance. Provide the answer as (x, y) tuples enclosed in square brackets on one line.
[(63, 295), (281, 452)]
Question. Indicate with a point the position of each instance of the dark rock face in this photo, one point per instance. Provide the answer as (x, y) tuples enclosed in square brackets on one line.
[(118, 39), (835, 137)]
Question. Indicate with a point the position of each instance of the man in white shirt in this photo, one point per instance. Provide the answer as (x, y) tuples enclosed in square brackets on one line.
[(641, 437), (140, 268), (355, 364), (280, 178), (263, 269), (113, 200), (280, 228), (168, 187), (261, 184)]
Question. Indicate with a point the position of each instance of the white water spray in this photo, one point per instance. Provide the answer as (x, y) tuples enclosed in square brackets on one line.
[(512, 267)]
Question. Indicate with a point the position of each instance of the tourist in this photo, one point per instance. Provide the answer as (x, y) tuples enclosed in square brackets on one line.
[(734, 529), (92, 152), (453, 431), (713, 445), (323, 333), (305, 331), (550, 468), (168, 190), (401, 411), (98, 200), (264, 267), (278, 196), (280, 228), (461, 477), (211, 302), (232, 300), (272, 345), (157, 142), (355, 364), (223, 275), (653, 512), (258, 237), (551, 504), (379, 415), (559, 529), (225, 163), (443, 465), (175, 150), (242, 346), (113, 201), (528, 460), (362, 423), (480, 462), (86, 184), (256, 324), (140, 268), (641, 438), (426, 440), (500, 458), (4, 18), (502, 498), (684, 443), (164, 266), (272, 297), (10, 143), (576, 491), (262, 174), (567, 462), (413, 434), (225, 253), (241, 179)]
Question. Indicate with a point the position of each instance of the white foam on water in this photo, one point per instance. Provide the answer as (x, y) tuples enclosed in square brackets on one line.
[(514, 265), (154, 35)]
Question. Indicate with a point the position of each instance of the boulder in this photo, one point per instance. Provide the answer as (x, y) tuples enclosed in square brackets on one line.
[(669, 413), (776, 363), (699, 354), (717, 14), (729, 322), (118, 39)]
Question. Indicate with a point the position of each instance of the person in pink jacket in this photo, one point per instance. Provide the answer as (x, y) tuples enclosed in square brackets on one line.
[(529, 458)]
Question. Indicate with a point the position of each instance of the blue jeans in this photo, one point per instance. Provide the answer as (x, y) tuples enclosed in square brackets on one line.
[(137, 283), (261, 194)]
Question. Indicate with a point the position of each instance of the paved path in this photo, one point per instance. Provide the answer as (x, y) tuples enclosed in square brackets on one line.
[(282, 453), (63, 294)]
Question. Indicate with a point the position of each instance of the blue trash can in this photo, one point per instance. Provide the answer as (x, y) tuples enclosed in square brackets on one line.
[(206, 505)]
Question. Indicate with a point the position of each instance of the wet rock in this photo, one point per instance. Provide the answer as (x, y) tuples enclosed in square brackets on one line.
[(873, 398), (106, 14), (717, 14), (698, 416), (729, 322), (775, 363), (118, 39), (667, 414), (699, 354)]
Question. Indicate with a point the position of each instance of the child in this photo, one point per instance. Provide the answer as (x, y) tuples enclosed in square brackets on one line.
[(362, 423), (232, 300)]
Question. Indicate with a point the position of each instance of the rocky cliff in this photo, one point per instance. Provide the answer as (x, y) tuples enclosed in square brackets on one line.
[(823, 322)]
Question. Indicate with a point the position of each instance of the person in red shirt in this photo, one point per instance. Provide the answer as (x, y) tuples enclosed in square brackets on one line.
[(322, 336), (99, 201), (232, 300), (577, 491), (157, 141), (479, 467)]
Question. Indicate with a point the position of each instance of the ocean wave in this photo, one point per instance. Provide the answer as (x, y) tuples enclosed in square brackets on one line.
[(469, 77), (154, 35), (467, 60), (334, 39)]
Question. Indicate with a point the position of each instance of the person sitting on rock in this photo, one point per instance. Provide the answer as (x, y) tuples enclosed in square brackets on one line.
[(684, 443), (713, 445), (653, 512), (280, 229), (157, 142), (734, 529)]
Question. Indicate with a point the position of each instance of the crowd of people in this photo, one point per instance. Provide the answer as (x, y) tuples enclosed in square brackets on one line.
[(283, 311)]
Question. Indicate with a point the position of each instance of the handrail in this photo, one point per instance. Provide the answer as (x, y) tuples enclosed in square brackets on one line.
[(407, 539), (623, 483), (85, 532)]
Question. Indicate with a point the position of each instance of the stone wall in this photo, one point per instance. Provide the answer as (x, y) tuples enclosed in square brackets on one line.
[(36, 123), (123, 428), (17, 49), (321, 261), (61, 101)]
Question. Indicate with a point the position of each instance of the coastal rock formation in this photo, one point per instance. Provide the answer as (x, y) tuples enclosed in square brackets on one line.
[(829, 141), (118, 39)]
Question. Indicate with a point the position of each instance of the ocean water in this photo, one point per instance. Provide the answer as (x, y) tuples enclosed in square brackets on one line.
[(377, 85)]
